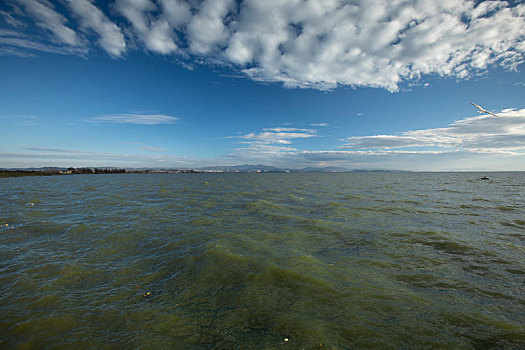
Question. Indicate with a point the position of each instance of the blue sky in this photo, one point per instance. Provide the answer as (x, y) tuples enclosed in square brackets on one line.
[(357, 84)]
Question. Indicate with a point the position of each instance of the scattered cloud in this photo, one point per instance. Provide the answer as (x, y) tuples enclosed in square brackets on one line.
[(92, 18), (207, 30), (300, 43), (484, 134), (46, 17), (14, 43), (156, 33), (271, 141), (141, 119), (277, 136), (319, 124), (10, 20), (473, 143)]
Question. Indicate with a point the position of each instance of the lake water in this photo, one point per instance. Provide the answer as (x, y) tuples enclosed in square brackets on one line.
[(263, 261)]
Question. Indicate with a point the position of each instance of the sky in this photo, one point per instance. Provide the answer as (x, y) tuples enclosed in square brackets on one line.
[(360, 84)]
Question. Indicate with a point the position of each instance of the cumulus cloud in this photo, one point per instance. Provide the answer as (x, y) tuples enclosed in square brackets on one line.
[(378, 43), (141, 119), (176, 12), (207, 28), (156, 33), (318, 44), (92, 18)]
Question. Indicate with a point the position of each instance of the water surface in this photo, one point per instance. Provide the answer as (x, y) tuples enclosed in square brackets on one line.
[(239, 261)]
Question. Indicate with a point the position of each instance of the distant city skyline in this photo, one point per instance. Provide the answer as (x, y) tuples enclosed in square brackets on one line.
[(291, 84)]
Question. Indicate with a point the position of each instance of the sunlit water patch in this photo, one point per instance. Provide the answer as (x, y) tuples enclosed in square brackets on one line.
[(263, 261)]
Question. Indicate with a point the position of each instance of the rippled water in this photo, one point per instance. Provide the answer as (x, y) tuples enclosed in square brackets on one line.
[(226, 261)]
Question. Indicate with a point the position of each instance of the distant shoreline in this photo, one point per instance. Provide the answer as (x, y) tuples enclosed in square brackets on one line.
[(96, 171), (20, 173)]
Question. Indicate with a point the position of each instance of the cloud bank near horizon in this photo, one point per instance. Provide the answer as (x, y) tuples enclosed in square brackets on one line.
[(318, 44), (504, 134), (467, 144), (482, 142)]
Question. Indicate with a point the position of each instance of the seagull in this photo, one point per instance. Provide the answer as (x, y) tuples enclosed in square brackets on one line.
[(482, 110)]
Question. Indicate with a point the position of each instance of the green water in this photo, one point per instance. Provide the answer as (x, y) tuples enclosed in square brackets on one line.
[(243, 261)]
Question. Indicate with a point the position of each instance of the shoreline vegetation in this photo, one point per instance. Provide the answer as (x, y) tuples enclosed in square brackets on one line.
[(78, 171), (246, 168)]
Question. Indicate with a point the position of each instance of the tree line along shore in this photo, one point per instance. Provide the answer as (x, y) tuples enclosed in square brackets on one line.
[(73, 171), (51, 172)]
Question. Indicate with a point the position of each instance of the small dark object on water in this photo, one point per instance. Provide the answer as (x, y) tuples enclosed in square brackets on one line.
[(484, 178), (147, 294)]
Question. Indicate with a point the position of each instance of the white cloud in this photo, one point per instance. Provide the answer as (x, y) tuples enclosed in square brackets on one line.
[(48, 18), (271, 142), (16, 41), (10, 20), (474, 143), (318, 44), (207, 29), (156, 33), (21, 45), (319, 124), (277, 136), (379, 43), (485, 134), (92, 18), (177, 12), (142, 119)]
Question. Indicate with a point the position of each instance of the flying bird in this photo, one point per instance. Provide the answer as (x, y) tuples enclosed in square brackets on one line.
[(482, 110)]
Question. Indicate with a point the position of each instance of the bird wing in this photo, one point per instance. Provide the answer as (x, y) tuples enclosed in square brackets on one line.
[(482, 110), (477, 106)]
